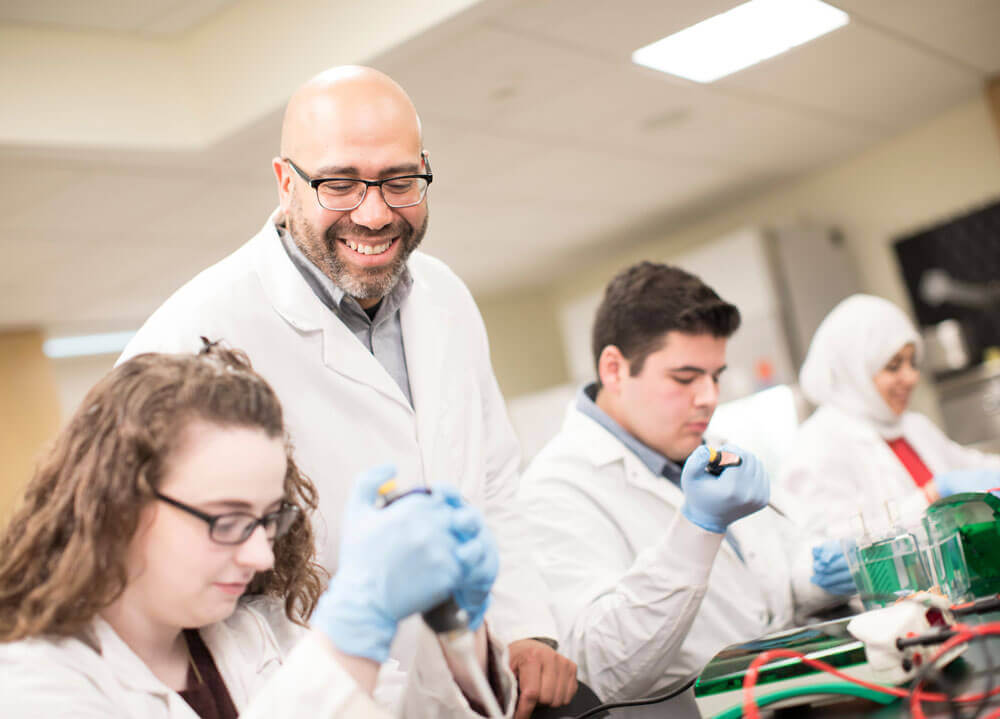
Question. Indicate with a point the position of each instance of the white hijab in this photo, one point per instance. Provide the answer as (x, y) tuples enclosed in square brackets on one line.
[(853, 342)]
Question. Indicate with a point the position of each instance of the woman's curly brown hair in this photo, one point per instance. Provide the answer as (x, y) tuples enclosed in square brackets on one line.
[(63, 554)]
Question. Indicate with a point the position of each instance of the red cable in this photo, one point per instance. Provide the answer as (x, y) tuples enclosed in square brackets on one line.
[(963, 634), (750, 710)]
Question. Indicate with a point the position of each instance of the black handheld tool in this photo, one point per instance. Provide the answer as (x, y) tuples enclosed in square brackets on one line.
[(449, 621), (719, 460), (446, 616)]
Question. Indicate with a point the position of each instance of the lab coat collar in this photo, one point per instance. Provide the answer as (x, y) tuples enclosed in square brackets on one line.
[(600, 447), (596, 444), (130, 671), (124, 664), (656, 462), (288, 293), (292, 298)]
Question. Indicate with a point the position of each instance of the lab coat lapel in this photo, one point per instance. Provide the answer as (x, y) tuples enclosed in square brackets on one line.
[(130, 670), (602, 447), (428, 335), (294, 300)]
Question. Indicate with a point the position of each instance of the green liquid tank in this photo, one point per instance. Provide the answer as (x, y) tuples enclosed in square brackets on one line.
[(964, 535)]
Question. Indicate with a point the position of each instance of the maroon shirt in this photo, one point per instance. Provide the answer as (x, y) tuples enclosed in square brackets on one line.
[(209, 697)]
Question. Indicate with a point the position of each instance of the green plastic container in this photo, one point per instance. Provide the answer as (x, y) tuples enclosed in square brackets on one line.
[(893, 567), (963, 531), (887, 568)]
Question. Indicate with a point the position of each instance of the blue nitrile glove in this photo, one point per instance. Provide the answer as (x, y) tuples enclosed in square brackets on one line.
[(393, 562), (478, 555), (966, 480), (713, 503), (830, 570)]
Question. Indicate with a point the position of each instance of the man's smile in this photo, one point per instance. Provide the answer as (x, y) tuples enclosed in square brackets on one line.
[(364, 249)]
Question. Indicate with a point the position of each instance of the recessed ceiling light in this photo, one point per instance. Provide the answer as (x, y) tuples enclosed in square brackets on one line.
[(84, 345), (740, 37)]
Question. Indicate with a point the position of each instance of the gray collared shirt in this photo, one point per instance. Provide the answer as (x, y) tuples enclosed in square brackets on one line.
[(654, 461), (382, 334)]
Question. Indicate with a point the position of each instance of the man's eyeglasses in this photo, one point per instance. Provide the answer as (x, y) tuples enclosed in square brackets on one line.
[(236, 527), (346, 193)]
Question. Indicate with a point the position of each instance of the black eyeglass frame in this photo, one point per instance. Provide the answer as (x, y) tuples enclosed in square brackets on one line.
[(315, 182), (211, 519)]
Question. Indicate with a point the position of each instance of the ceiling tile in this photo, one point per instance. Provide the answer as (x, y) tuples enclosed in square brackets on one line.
[(859, 73), (489, 71), (641, 112), (25, 185), (962, 29), (461, 155), (610, 29), (147, 16)]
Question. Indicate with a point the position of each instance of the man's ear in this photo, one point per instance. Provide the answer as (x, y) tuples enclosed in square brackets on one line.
[(283, 176), (612, 368)]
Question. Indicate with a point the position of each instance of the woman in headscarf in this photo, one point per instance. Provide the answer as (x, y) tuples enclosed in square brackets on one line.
[(862, 447)]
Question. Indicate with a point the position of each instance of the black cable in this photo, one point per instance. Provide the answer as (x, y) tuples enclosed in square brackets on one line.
[(977, 606), (991, 677), (637, 702), (937, 636), (931, 672), (985, 604)]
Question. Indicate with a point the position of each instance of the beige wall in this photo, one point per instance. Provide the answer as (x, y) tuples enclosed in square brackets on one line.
[(29, 411), (76, 375), (940, 168), (525, 359)]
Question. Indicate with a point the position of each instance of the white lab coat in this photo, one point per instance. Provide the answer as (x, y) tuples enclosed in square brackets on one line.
[(100, 676), (643, 597), (344, 412), (841, 464)]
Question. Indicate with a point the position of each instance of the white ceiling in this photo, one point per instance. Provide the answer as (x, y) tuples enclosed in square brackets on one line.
[(548, 145), (144, 17)]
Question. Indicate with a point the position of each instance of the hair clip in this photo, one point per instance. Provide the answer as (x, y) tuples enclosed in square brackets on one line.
[(207, 345)]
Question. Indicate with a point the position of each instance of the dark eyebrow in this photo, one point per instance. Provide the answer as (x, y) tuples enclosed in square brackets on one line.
[(351, 171), (335, 171), (696, 370), (236, 505)]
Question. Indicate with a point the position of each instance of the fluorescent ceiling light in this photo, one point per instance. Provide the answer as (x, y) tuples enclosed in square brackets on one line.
[(83, 345), (740, 37)]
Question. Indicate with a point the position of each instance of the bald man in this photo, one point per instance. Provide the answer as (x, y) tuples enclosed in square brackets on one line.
[(377, 352)]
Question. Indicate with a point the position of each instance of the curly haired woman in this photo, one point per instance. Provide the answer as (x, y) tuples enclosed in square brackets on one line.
[(162, 565)]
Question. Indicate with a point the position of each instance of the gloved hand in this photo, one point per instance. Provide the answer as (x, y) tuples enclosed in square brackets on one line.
[(393, 562), (478, 555), (966, 480), (713, 503), (830, 570)]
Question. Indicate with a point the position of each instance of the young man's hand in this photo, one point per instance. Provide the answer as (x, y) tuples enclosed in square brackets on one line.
[(713, 502), (543, 676)]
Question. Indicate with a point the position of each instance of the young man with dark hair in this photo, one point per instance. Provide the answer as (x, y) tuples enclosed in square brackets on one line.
[(655, 563)]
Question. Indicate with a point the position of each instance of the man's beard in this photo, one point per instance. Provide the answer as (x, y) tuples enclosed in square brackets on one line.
[(368, 283)]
